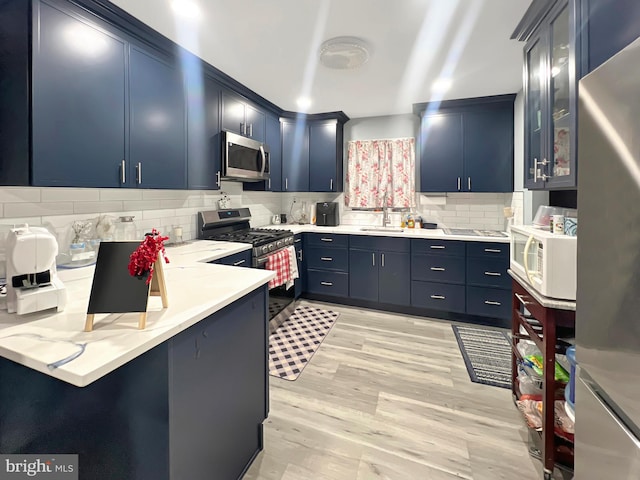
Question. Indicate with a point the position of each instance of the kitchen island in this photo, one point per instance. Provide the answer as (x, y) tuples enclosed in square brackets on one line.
[(184, 398)]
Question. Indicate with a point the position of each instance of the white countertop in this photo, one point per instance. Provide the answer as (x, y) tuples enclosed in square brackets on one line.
[(388, 232), (541, 299), (195, 290)]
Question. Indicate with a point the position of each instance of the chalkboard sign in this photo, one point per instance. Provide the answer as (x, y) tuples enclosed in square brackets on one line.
[(114, 290)]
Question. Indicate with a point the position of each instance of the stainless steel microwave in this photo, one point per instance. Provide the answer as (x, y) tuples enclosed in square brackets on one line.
[(244, 159)]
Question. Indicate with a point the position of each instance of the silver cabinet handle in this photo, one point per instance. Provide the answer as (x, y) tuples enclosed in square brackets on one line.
[(373, 259), (492, 250), (491, 302), (327, 284), (537, 172), (438, 297), (469, 183), (286, 184), (331, 185), (300, 255), (243, 129), (438, 247), (437, 269), (327, 239), (493, 274), (218, 178), (326, 259), (139, 173), (251, 129), (235, 264), (459, 184), (124, 176), (297, 240), (522, 300), (269, 187), (383, 259)]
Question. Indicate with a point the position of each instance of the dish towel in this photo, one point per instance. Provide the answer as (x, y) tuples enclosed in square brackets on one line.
[(279, 262), (293, 266)]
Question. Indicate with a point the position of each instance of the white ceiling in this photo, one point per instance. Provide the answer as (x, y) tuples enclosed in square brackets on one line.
[(271, 47)]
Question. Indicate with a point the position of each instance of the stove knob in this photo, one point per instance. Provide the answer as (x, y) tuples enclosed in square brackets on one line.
[(271, 246), (265, 249), (280, 243)]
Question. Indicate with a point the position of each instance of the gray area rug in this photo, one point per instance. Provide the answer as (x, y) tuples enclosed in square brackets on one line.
[(486, 354), (293, 344)]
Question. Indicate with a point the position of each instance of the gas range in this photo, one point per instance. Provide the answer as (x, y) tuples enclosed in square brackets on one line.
[(233, 226)]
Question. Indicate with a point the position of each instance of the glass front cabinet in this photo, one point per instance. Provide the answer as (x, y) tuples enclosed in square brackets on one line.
[(550, 101)]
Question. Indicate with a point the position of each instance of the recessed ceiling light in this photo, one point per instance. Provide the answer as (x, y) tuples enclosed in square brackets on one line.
[(303, 103), (344, 53), (186, 9), (441, 85)]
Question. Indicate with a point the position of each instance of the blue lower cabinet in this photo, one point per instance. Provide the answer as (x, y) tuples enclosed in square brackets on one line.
[(394, 278), (299, 283), (363, 270), (242, 259), (438, 268), (324, 258), (438, 296), (328, 283), (489, 302)]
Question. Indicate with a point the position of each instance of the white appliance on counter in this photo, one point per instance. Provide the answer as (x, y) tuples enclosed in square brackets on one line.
[(545, 260), (32, 280)]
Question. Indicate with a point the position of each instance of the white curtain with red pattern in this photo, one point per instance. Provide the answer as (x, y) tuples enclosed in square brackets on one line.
[(379, 169)]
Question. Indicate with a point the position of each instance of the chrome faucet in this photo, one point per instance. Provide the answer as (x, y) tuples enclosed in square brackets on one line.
[(385, 213)]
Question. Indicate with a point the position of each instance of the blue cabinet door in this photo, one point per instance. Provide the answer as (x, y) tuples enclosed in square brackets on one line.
[(441, 153), (273, 141), (299, 283), (394, 278), (363, 275), (233, 118), (488, 149), (295, 156), (323, 161), (203, 148), (157, 148), (78, 110), (255, 120)]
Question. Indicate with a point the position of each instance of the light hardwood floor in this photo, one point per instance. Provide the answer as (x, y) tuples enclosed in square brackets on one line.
[(388, 397)]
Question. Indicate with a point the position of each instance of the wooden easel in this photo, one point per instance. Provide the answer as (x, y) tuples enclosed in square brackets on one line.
[(113, 285)]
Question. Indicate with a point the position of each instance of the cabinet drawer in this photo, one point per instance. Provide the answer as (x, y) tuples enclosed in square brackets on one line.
[(437, 268), (327, 239), (328, 283), (438, 296), (488, 272), (488, 249), (489, 302), (387, 244), (438, 247), (323, 258), (242, 259)]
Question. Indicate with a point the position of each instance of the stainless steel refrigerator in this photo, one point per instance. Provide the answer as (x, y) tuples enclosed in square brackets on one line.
[(608, 298)]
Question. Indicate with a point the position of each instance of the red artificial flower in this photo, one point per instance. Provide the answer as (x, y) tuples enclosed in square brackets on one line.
[(142, 260)]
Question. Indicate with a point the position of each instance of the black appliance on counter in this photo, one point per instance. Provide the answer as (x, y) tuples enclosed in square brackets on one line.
[(233, 226), (327, 214)]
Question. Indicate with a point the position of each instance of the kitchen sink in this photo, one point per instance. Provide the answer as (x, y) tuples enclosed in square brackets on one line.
[(381, 229)]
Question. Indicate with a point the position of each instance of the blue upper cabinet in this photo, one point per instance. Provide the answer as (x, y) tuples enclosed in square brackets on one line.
[(325, 156), (274, 143), (78, 110), (488, 151), (203, 127), (551, 59), (611, 25), (240, 117), (441, 155), (467, 145), (156, 123), (295, 155)]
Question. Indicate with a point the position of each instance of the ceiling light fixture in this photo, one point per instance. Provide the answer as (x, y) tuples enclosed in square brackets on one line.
[(303, 103), (441, 85), (344, 53), (186, 9)]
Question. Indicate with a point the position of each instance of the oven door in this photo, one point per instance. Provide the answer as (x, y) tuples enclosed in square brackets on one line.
[(281, 300), (244, 158)]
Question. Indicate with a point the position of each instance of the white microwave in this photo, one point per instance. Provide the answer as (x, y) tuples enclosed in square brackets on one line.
[(547, 262)]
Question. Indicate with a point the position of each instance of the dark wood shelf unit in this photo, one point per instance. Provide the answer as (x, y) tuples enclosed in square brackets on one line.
[(544, 326)]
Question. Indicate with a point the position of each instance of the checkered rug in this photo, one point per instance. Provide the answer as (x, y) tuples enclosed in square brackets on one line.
[(293, 344)]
